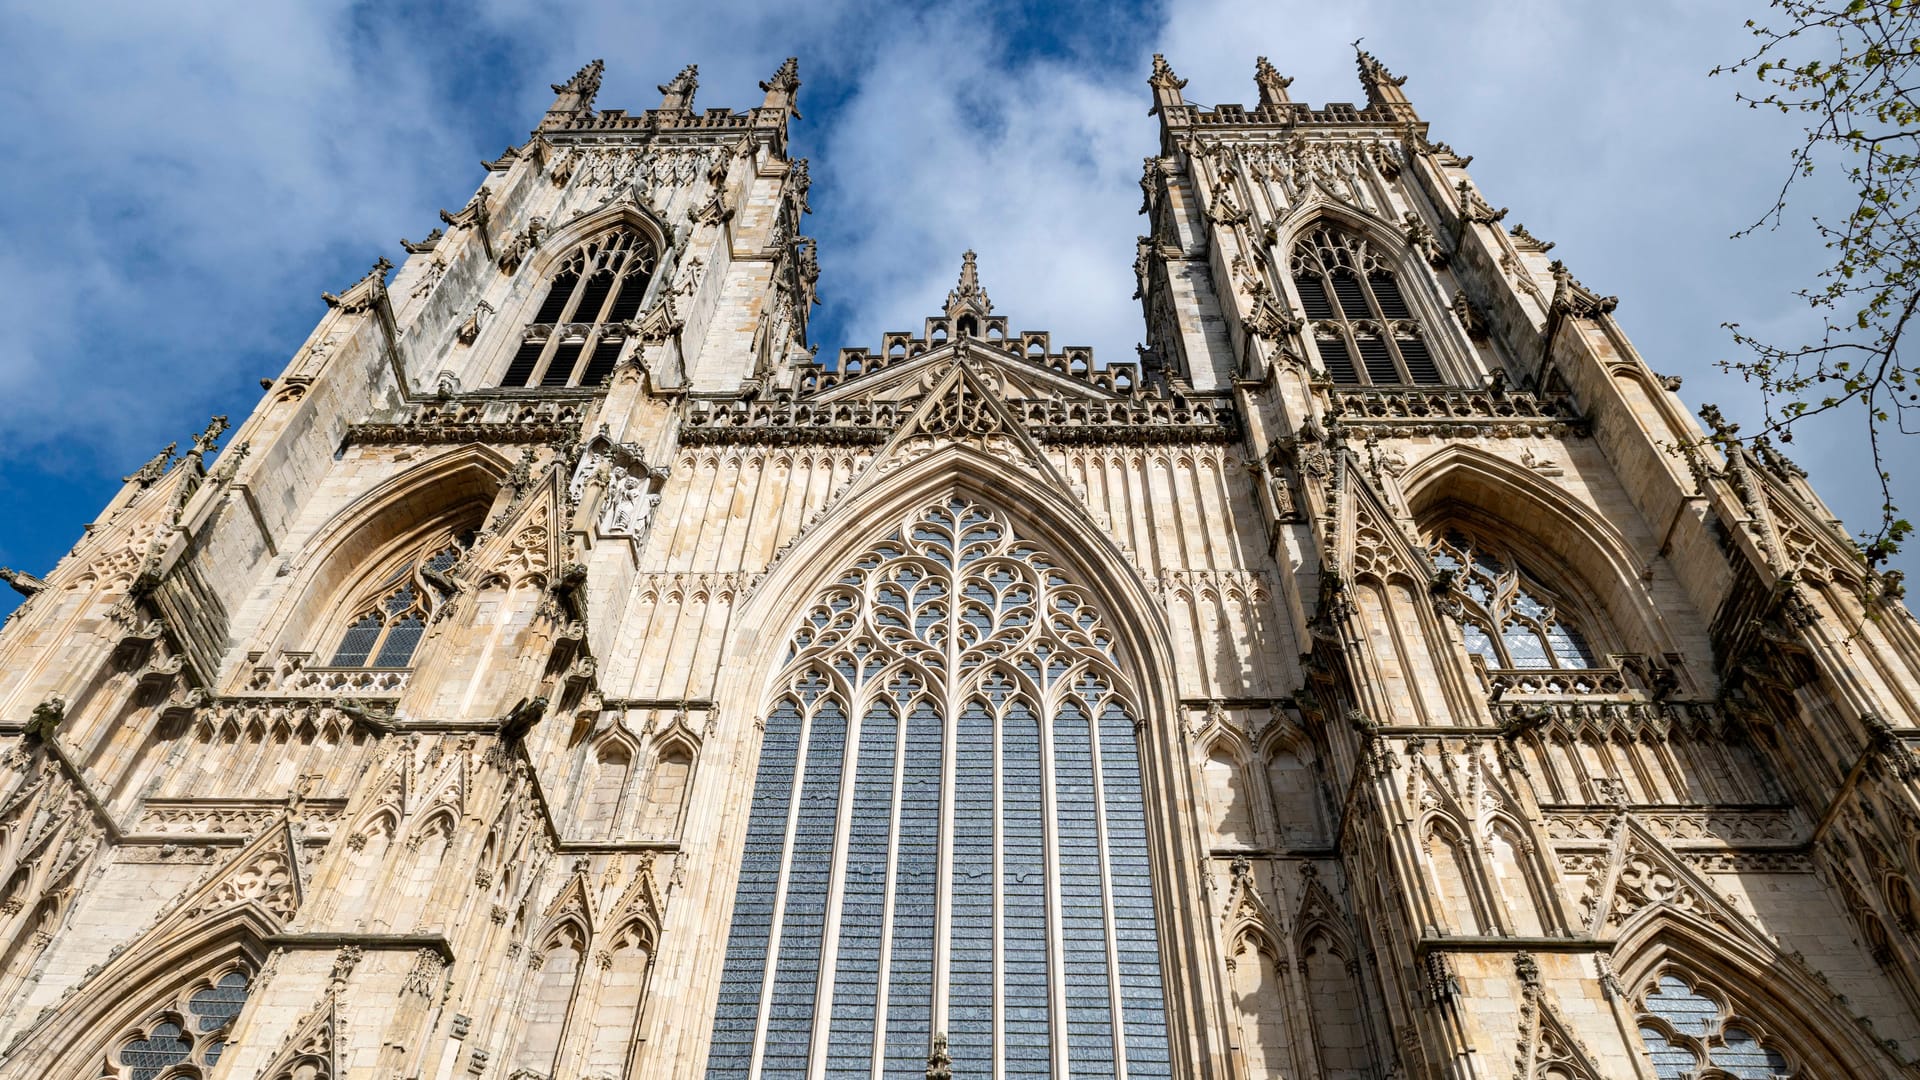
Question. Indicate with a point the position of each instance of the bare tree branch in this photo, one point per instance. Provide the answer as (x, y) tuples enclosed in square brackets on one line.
[(1852, 68)]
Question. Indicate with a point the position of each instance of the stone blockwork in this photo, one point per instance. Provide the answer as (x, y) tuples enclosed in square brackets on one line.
[(1420, 691)]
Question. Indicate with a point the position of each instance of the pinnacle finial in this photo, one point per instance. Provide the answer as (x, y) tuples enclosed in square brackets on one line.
[(1163, 77), (678, 93), (1382, 86), (1272, 84), (574, 98), (585, 82), (784, 88), (968, 295), (1166, 85), (939, 1062)]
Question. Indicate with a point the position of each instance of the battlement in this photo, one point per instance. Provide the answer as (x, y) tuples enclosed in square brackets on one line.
[(573, 113)]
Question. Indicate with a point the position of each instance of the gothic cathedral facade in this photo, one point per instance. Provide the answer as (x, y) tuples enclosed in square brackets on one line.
[(565, 672)]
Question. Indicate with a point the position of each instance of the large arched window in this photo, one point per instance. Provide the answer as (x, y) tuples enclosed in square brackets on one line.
[(384, 627), (1690, 1033), (947, 832), (577, 333), (1362, 327), (1508, 619), (191, 1032)]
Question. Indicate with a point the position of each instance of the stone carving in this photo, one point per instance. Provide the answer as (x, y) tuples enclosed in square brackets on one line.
[(521, 245)]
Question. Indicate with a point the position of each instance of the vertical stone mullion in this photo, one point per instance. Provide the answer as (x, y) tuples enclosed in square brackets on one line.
[(1056, 937), (780, 890), (836, 889), (1106, 893), (891, 889)]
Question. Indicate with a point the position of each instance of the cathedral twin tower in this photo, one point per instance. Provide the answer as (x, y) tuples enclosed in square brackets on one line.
[(563, 673)]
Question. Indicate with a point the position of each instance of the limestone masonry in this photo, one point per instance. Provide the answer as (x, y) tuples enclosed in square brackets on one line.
[(565, 672)]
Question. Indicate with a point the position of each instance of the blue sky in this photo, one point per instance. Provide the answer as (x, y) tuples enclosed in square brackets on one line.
[(189, 177)]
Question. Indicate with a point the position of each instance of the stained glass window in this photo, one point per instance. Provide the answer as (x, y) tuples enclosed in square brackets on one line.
[(193, 1032), (1508, 619), (1362, 327), (947, 833), (1686, 1029)]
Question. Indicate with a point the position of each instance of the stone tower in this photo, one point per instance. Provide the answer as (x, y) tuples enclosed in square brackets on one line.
[(565, 673)]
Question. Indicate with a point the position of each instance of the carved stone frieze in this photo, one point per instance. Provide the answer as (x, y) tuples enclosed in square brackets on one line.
[(1679, 826), (496, 418), (1458, 412)]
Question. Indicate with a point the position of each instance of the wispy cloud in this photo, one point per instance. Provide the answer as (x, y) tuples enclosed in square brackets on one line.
[(190, 176)]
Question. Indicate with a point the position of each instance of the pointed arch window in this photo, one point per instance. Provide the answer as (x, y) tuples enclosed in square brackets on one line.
[(1689, 1031), (947, 834), (1508, 619), (1362, 327), (192, 1031), (579, 329), (384, 628)]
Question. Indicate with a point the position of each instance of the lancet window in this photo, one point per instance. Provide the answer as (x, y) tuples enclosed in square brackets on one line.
[(1362, 327), (579, 329), (1690, 1033), (947, 834), (1508, 620), (385, 627), (190, 1032)]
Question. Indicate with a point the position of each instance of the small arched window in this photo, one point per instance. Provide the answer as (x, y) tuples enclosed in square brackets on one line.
[(1362, 327), (1508, 619), (192, 1032), (1689, 1031), (577, 332), (385, 626)]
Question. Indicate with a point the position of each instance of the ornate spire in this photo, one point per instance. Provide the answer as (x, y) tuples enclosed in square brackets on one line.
[(1381, 85), (968, 295), (1163, 77), (575, 96), (784, 88), (1272, 84), (585, 82), (678, 94), (1166, 85)]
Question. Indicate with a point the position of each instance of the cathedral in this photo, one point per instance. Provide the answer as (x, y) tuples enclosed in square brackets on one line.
[(568, 672)]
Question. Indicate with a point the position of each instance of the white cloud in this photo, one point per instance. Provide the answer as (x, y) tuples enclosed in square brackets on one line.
[(191, 175)]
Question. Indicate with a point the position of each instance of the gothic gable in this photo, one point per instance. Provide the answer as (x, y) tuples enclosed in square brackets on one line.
[(1010, 374)]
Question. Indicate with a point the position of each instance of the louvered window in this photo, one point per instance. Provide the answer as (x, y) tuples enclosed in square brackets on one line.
[(385, 627), (1357, 310), (580, 329), (947, 834)]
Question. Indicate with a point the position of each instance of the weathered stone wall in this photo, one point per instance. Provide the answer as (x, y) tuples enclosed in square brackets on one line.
[(1385, 839)]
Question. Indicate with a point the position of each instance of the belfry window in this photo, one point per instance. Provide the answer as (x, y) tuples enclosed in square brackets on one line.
[(1690, 1032), (1508, 620), (192, 1032), (1362, 327), (579, 329), (947, 834), (385, 627)]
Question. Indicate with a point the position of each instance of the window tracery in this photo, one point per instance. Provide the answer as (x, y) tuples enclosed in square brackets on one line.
[(384, 628), (191, 1032), (1507, 619), (1691, 1033), (963, 699), (577, 332), (1362, 327)]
